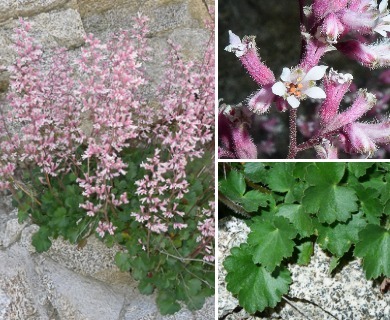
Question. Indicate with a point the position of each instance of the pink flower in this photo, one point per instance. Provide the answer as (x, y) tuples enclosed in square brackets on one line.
[(246, 51)]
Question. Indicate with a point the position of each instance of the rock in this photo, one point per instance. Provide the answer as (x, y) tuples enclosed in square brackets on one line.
[(92, 7), (25, 238), (59, 29), (78, 297), (12, 232), (4, 303), (53, 29), (192, 41), (24, 8)]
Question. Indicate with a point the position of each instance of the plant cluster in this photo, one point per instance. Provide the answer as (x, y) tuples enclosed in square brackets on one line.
[(357, 29), (344, 208), (84, 151)]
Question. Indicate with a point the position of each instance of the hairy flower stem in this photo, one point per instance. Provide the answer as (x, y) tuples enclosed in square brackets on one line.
[(301, 18), (292, 149), (313, 141)]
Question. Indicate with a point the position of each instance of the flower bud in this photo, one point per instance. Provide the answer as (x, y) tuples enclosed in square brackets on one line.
[(246, 51), (261, 100), (326, 150), (363, 102), (332, 28), (335, 86), (357, 140), (243, 143), (358, 51), (372, 56)]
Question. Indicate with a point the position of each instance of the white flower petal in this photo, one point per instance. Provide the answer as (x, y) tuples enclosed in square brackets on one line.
[(381, 32), (293, 102), (386, 18), (279, 89), (383, 6), (286, 75), (234, 39), (315, 73), (236, 46), (385, 27), (315, 93)]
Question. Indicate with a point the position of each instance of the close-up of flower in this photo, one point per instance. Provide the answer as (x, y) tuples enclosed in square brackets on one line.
[(297, 85), (331, 36)]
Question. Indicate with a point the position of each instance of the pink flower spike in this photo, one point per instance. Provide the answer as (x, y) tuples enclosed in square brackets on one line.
[(335, 85), (246, 51), (243, 144), (261, 100), (363, 102)]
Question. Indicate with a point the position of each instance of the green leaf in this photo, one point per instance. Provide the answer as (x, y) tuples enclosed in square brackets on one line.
[(359, 168), (194, 286), (339, 238), (145, 287), (325, 173), (254, 199), (385, 194), (123, 261), (23, 211), (195, 302), (330, 202), (40, 239), (370, 205), (306, 250), (280, 176), (300, 169), (334, 262), (255, 171), (166, 302), (272, 241), (255, 287), (296, 193), (374, 248), (296, 214), (59, 219), (234, 186)]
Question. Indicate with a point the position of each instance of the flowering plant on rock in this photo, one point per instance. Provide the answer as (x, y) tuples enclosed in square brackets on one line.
[(342, 122), (84, 150)]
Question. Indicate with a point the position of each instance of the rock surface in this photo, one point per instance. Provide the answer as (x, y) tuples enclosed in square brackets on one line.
[(64, 23), (68, 283), (319, 296)]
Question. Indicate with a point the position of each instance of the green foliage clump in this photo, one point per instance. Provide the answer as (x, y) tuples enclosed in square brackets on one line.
[(343, 207)]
